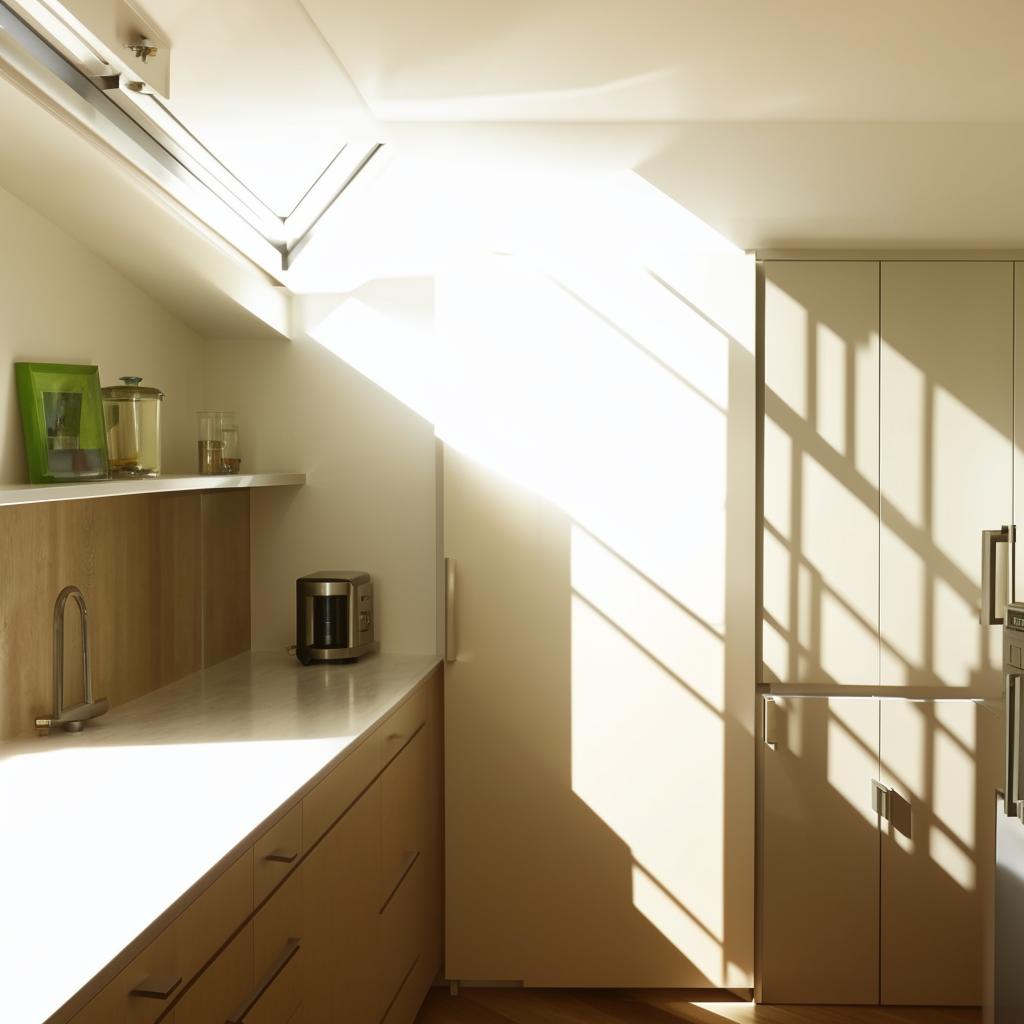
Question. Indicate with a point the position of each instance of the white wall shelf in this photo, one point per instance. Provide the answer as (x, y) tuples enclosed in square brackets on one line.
[(29, 494)]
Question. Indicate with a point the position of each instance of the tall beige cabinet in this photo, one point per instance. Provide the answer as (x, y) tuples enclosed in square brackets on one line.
[(888, 450), (598, 487)]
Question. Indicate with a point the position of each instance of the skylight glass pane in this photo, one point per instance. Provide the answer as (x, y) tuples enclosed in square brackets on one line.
[(264, 94)]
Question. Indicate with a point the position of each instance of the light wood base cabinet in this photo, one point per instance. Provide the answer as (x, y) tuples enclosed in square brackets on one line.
[(339, 920)]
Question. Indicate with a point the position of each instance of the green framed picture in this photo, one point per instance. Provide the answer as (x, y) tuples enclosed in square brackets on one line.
[(62, 419)]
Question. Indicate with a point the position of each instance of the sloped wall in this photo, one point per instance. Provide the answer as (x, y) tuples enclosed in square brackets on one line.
[(60, 303)]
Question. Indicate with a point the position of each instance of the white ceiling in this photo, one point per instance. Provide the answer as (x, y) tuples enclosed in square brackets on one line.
[(790, 123), (681, 60)]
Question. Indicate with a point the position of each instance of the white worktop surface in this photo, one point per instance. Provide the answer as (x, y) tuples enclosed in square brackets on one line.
[(102, 832)]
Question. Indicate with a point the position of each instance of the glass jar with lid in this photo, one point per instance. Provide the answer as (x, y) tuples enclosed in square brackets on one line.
[(131, 414)]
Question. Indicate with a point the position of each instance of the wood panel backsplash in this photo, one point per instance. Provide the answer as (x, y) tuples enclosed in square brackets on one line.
[(165, 578)]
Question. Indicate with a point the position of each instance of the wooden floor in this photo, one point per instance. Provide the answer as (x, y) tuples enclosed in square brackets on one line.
[(602, 1006)]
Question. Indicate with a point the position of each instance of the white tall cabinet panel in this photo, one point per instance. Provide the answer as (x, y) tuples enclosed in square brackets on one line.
[(946, 428), (941, 758), (820, 621), (598, 495), (820, 916)]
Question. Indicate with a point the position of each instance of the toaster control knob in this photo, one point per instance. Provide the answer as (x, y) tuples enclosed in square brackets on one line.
[(364, 621)]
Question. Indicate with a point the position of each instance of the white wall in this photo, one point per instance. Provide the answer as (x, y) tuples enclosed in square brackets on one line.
[(369, 502), (60, 303)]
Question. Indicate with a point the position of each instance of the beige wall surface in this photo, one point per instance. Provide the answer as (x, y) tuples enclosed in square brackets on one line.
[(369, 500), (60, 303)]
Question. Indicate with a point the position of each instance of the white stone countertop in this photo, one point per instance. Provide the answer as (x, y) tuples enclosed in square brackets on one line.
[(101, 833)]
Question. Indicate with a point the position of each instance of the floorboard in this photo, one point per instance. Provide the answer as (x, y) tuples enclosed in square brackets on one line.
[(610, 1006)]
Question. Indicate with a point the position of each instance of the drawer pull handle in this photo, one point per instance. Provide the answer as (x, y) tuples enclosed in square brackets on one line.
[(156, 986), (282, 856), (407, 863), (291, 947)]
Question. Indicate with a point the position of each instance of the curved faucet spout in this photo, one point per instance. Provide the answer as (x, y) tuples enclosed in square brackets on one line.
[(58, 646), (72, 719)]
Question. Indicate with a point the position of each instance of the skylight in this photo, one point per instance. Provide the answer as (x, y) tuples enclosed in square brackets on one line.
[(256, 156)]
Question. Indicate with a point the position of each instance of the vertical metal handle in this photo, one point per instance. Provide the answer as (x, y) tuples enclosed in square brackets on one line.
[(449, 610), (989, 540), (765, 702), (881, 799), (1012, 763)]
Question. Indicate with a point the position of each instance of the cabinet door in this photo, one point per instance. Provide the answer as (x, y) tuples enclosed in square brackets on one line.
[(819, 935), (937, 849), (946, 463), (598, 481), (820, 530), (223, 988), (341, 888)]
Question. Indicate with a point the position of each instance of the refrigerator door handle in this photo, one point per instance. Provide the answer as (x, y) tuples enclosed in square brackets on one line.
[(450, 653), (990, 539), (1012, 765), (767, 721), (881, 800)]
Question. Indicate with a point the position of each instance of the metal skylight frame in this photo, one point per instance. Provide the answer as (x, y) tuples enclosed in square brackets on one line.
[(77, 79)]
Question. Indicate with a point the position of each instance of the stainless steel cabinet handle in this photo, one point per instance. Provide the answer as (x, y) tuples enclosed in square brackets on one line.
[(1012, 764), (156, 986), (282, 856), (989, 541), (768, 741), (881, 799), (291, 947), (449, 610)]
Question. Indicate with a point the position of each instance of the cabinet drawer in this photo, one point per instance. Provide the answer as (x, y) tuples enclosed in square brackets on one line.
[(402, 724), (409, 998), (407, 787), (142, 991), (206, 925), (153, 979), (404, 923), (223, 987), (278, 927), (334, 794), (276, 854), (278, 992)]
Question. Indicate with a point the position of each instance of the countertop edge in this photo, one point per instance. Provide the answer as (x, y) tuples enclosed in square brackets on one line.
[(99, 981)]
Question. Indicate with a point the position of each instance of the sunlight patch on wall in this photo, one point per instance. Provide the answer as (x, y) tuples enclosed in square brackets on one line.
[(955, 639), (907, 421), (951, 859), (678, 925), (849, 762), (684, 646), (547, 392), (641, 738), (908, 760), (825, 536), (955, 524), (903, 639), (395, 355), (831, 380), (792, 386), (953, 799), (778, 453), (845, 639)]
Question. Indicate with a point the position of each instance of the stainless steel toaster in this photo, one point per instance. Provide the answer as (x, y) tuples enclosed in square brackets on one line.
[(334, 616)]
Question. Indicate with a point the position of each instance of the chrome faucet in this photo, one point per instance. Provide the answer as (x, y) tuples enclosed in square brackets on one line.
[(73, 718)]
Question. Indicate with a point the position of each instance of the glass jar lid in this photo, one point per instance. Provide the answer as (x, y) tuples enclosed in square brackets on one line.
[(130, 391)]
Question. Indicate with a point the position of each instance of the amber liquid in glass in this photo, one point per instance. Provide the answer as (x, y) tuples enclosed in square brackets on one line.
[(211, 461)]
